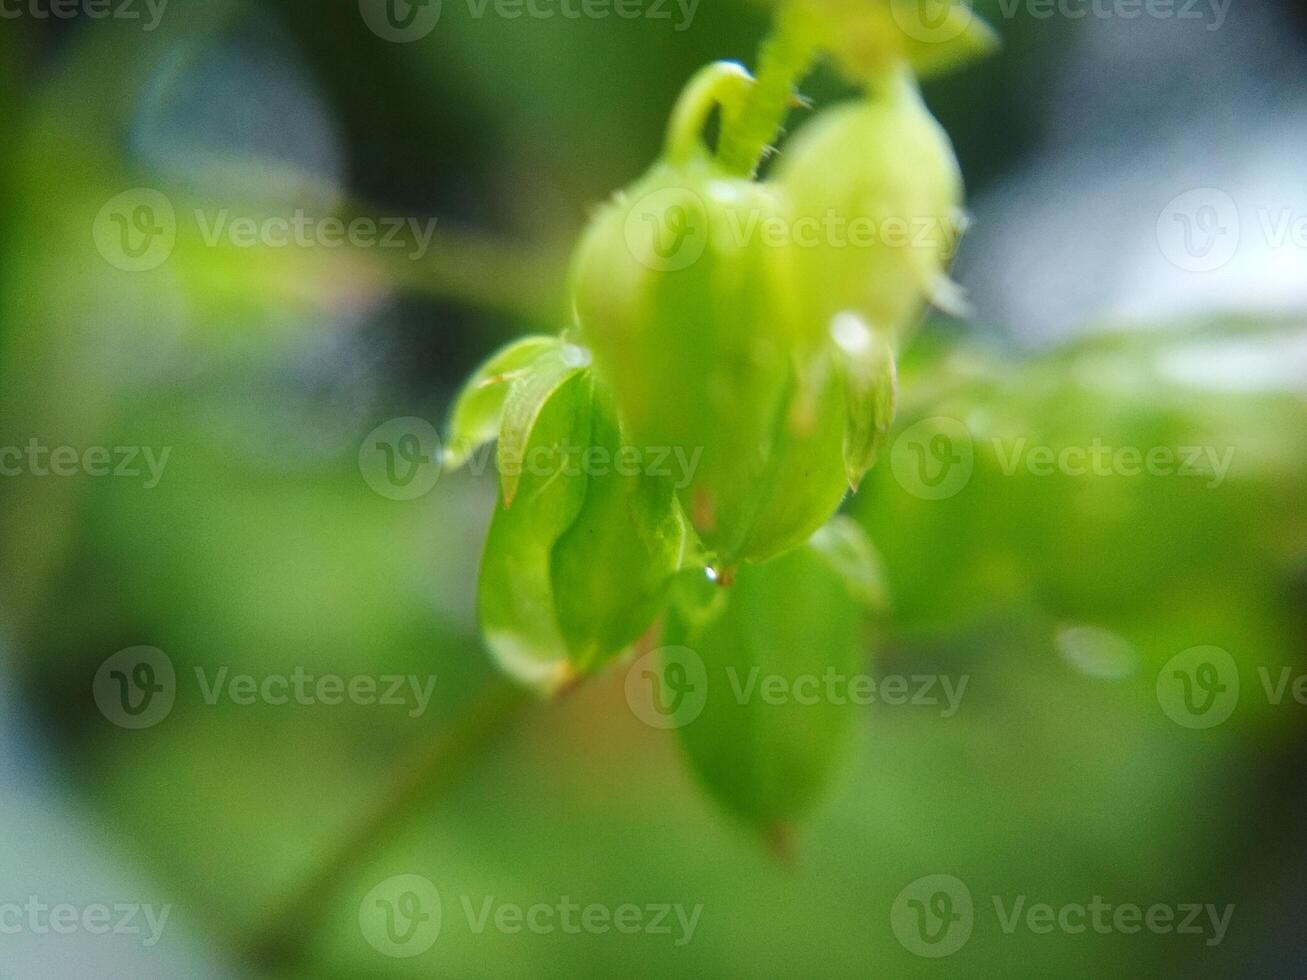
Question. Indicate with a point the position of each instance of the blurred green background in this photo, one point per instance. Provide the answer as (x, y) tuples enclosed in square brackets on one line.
[(1061, 599)]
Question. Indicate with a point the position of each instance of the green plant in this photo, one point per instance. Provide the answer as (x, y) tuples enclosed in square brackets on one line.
[(704, 325)]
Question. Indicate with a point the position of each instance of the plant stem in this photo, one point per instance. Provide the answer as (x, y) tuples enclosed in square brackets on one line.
[(784, 59), (283, 943), (484, 274)]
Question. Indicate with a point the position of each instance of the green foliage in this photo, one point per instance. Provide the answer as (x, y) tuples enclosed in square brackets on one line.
[(769, 737), (766, 367), (575, 505), (516, 586), (263, 551), (613, 566), (478, 412), (870, 393)]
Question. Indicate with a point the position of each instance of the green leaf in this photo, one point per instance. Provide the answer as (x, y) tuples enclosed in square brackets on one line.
[(516, 590), (479, 408), (848, 550), (613, 566), (870, 391), (804, 481), (526, 399), (770, 734)]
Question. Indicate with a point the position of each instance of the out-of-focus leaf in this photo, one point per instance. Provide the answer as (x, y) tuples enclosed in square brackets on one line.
[(870, 390), (479, 409), (772, 728), (612, 567), (844, 544), (1009, 485), (958, 39), (515, 592)]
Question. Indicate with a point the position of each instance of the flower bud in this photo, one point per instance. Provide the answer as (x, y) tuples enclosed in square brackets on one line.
[(879, 177), (691, 322)]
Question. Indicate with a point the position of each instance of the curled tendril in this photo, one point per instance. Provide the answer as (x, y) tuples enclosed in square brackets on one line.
[(722, 84)]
